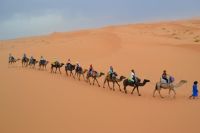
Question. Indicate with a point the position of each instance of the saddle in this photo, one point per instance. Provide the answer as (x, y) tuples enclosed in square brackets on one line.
[(68, 66), (131, 81), (112, 76), (24, 59), (55, 63), (79, 69), (171, 79), (32, 61), (42, 62)]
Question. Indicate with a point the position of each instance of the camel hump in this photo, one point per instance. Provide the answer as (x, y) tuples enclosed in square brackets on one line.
[(183, 81), (95, 72), (101, 73)]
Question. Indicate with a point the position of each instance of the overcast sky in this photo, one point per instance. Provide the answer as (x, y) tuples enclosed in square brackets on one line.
[(20, 18)]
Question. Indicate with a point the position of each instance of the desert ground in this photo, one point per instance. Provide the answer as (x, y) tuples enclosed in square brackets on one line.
[(37, 101)]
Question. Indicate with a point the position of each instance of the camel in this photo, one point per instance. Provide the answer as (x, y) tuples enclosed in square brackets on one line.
[(25, 62), (57, 66), (70, 68), (32, 63), (114, 80), (170, 86), (43, 64), (95, 75), (13, 60), (126, 83), (79, 72)]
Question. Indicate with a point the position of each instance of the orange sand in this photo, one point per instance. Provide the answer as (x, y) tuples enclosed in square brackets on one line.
[(34, 101)]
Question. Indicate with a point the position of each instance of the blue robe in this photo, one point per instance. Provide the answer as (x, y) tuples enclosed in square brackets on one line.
[(195, 91)]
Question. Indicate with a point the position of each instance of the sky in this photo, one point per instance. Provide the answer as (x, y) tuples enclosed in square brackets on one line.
[(21, 18)]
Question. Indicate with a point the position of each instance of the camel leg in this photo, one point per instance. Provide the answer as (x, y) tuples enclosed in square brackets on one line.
[(160, 94), (174, 93), (59, 70), (93, 81), (98, 83), (119, 86), (72, 74), (51, 69), (113, 86), (89, 81), (133, 89), (79, 77), (76, 74), (154, 92), (104, 83), (125, 89), (86, 79), (109, 85), (169, 92), (138, 91), (83, 76), (66, 72)]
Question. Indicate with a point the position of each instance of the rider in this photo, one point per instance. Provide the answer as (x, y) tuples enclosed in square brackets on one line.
[(42, 60), (90, 72), (24, 57), (111, 72), (133, 77), (68, 63), (165, 76), (10, 58), (78, 66), (55, 62), (31, 60)]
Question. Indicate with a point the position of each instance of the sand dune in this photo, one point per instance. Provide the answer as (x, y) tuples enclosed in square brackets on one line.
[(36, 101)]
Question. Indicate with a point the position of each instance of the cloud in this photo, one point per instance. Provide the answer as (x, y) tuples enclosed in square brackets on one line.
[(20, 25), (20, 18)]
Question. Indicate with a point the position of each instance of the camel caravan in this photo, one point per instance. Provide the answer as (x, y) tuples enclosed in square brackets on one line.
[(92, 76)]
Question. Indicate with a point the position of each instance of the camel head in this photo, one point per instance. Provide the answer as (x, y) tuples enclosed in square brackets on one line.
[(85, 70), (146, 80), (183, 81), (122, 77), (62, 64), (180, 83), (101, 74)]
